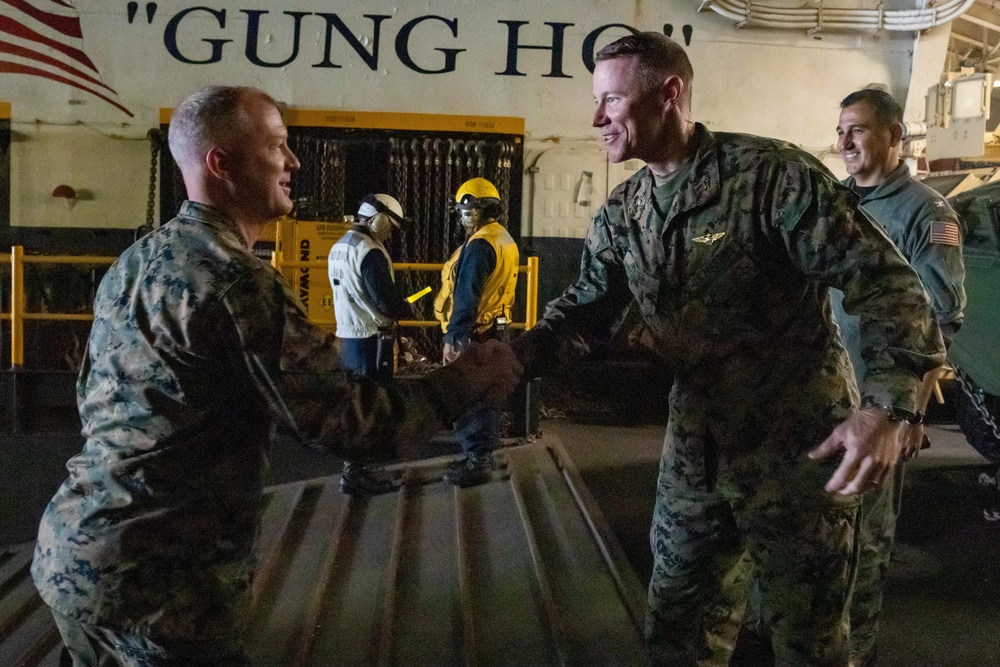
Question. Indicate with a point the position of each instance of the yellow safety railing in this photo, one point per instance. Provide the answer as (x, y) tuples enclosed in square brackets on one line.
[(17, 315), (530, 269)]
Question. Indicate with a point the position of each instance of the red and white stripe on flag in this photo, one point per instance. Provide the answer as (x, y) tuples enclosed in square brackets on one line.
[(43, 38), (945, 232)]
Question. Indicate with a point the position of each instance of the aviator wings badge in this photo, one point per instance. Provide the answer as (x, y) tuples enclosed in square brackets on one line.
[(709, 239)]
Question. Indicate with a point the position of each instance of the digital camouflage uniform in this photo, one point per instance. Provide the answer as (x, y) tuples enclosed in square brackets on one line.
[(733, 287), (917, 220), (197, 349)]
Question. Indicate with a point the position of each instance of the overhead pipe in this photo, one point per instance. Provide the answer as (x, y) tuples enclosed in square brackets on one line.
[(814, 19)]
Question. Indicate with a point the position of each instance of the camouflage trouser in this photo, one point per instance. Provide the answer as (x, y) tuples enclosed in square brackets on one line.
[(876, 535), (714, 522), (87, 645)]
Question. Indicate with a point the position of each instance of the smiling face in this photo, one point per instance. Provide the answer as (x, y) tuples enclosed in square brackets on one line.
[(630, 116), (866, 146), (262, 165)]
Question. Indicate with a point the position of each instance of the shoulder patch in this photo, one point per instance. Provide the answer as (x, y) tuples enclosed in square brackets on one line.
[(945, 232)]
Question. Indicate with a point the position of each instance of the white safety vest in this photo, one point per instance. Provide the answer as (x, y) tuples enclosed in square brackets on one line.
[(356, 316)]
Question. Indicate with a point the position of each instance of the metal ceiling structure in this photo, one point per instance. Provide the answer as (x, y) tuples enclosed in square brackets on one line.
[(975, 38), (519, 571)]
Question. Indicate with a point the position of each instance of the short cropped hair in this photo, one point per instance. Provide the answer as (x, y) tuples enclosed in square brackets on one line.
[(887, 110), (656, 57), (211, 116)]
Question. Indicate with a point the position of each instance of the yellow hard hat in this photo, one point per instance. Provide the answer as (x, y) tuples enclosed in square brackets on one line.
[(476, 193)]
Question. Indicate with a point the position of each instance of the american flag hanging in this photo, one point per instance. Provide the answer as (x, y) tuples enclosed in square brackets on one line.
[(43, 38), (945, 232)]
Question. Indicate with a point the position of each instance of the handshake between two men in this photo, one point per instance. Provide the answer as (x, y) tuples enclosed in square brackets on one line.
[(489, 371)]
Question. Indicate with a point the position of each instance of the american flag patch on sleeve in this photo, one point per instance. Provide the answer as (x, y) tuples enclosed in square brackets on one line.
[(945, 232)]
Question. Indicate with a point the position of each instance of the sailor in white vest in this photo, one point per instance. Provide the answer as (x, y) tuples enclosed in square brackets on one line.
[(367, 304)]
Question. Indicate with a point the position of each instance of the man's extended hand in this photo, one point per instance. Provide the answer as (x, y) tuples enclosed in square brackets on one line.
[(871, 445), (450, 354), (913, 441), (490, 370)]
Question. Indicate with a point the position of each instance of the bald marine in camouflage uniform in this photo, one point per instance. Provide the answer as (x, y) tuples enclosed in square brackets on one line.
[(728, 243), (198, 348)]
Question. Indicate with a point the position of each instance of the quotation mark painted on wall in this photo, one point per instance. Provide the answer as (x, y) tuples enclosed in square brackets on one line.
[(133, 8), (668, 30)]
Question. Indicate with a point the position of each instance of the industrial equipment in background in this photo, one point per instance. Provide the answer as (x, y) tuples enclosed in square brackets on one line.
[(417, 158), (960, 156)]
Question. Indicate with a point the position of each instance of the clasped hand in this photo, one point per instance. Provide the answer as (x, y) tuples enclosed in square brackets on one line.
[(490, 369)]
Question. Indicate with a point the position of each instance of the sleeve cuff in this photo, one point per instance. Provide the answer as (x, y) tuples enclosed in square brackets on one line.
[(898, 390)]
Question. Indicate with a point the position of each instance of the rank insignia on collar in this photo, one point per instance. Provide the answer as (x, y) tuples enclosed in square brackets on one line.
[(709, 239)]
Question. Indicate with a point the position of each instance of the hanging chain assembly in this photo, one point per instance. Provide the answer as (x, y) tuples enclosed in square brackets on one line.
[(423, 247), (438, 221), (339, 167), (154, 160), (325, 194), (978, 400), (448, 194)]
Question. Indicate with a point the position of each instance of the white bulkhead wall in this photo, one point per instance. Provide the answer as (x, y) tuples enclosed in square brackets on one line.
[(477, 57)]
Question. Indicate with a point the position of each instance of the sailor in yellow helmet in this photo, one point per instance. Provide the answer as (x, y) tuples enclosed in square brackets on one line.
[(477, 292)]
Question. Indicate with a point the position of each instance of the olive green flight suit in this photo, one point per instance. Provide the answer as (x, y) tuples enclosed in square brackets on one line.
[(923, 226)]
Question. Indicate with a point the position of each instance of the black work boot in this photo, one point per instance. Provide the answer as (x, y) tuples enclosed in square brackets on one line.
[(473, 470), (362, 480)]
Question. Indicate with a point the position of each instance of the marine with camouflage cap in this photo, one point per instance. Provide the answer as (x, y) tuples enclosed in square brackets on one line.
[(925, 229), (197, 350), (728, 243), (367, 304)]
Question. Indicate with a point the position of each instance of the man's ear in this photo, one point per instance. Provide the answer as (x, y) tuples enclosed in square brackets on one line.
[(217, 162), (895, 134), (671, 92)]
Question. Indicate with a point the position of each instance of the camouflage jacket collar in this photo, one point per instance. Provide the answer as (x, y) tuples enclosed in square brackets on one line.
[(701, 186), (212, 217), (893, 183)]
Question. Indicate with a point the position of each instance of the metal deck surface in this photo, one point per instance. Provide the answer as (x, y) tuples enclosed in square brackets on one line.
[(522, 570)]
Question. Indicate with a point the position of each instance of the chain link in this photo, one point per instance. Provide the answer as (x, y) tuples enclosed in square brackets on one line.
[(394, 171), (339, 167), (154, 159), (503, 175), (404, 184), (449, 195), (423, 247), (978, 401), (325, 194), (438, 222)]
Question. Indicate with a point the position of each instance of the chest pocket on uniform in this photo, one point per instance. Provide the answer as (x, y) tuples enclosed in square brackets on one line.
[(645, 286), (721, 276)]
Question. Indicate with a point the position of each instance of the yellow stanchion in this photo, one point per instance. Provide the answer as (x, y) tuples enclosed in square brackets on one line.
[(16, 306)]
